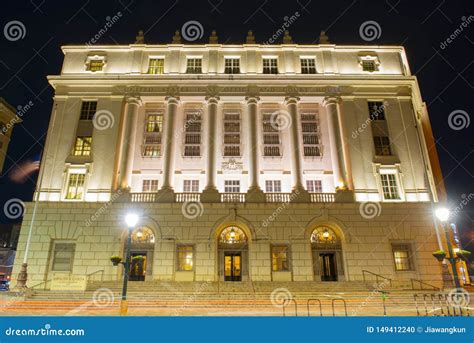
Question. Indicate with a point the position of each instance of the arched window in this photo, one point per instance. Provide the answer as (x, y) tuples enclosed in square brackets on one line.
[(143, 235), (232, 235), (324, 235)]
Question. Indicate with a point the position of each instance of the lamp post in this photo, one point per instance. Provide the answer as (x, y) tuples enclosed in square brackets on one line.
[(443, 216), (131, 219)]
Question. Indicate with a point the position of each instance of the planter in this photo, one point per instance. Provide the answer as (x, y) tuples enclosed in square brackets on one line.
[(463, 254), (116, 260), (439, 255)]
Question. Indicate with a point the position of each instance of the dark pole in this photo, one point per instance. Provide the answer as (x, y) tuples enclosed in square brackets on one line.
[(126, 272), (451, 259)]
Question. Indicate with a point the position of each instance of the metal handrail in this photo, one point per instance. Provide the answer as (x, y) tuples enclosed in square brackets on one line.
[(286, 302), (320, 306), (332, 304), (377, 276), (422, 283), (101, 271)]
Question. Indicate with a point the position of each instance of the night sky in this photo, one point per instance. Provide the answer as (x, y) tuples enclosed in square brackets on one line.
[(445, 70)]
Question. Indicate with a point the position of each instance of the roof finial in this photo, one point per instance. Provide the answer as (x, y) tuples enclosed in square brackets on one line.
[(287, 38), (250, 38), (176, 38), (140, 38), (323, 38), (213, 39)]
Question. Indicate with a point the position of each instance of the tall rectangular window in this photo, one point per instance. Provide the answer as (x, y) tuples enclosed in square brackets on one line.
[(280, 258), (382, 146), (153, 134), (402, 257), (191, 186), (314, 186), (271, 135), (273, 186), (310, 132), (75, 186), (156, 66), (63, 257), (270, 66), (185, 257), (232, 186), (308, 65), (194, 66), (88, 109), (376, 110), (82, 146), (192, 137), (390, 187), (150, 186), (232, 65), (231, 133)]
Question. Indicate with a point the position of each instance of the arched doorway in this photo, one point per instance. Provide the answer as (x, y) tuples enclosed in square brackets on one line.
[(233, 254), (327, 254), (141, 252)]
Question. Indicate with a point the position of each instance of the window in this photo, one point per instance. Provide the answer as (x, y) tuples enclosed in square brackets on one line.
[(82, 146), (191, 186), (232, 186), (185, 257), (382, 146), (231, 133), (280, 261), (308, 66), (194, 66), (273, 186), (232, 66), (390, 187), (270, 66), (150, 186), (192, 137), (271, 135), (402, 256), (153, 133), (156, 66), (95, 65), (63, 257), (369, 65), (75, 186), (376, 110), (314, 186), (310, 132), (88, 109)]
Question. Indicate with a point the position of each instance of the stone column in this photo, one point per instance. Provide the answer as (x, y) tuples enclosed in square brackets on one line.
[(210, 193), (166, 193), (295, 150), (254, 193), (128, 141), (332, 104)]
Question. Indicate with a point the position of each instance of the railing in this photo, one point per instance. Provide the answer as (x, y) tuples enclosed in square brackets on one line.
[(188, 197), (278, 197), (233, 197), (438, 302), (377, 277), (422, 283), (101, 271), (287, 302), (143, 197), (322, 197)]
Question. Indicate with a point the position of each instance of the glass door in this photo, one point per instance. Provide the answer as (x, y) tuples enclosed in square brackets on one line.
[(328, 267), (232, 266)]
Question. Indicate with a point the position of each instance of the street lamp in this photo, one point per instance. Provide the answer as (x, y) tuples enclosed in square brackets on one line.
[(131, 219), (443, 216)]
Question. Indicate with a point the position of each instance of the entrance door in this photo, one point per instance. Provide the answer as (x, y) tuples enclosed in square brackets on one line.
[(138, 266), (328, 267), (232, 266)]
